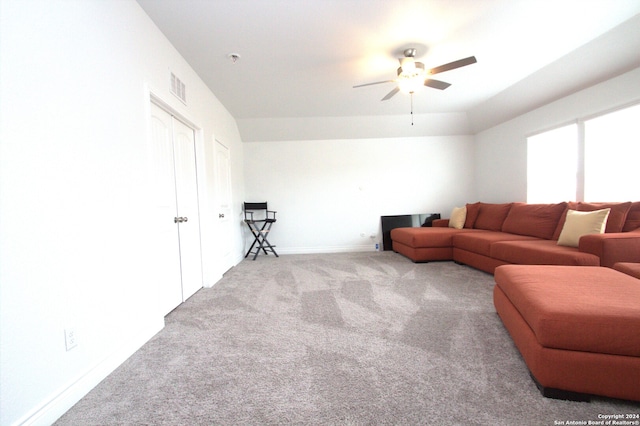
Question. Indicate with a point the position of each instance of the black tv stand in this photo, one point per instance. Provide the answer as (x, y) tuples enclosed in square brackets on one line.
[(403, 221)]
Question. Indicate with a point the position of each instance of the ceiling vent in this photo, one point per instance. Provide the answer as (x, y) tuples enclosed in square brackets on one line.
[(178, 88)]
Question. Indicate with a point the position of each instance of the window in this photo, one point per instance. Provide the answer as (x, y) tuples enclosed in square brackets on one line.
[(592, 160), (611, 153), (552, 165)]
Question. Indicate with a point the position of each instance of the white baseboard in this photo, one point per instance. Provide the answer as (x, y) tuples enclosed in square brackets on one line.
[(238, 259), (327, 249), (50, 411), (212, 282)]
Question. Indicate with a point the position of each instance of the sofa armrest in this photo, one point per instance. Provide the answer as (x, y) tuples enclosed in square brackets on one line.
[(442, 223), (613, 247)]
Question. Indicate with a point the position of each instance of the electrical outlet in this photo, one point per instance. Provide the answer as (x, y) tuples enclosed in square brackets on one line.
[(70, 338)]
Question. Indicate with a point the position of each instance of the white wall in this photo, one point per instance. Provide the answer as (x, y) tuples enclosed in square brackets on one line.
[(329, 192), (76, 227), (501, 163)]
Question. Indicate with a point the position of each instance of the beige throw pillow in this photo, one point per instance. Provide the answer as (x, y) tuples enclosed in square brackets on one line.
[(582, 223), (458, 217)]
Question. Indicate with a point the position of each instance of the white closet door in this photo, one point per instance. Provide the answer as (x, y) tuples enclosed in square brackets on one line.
[(167, 250), (187, 199), (176, 200)]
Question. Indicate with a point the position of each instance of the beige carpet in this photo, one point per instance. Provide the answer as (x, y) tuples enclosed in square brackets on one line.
[(337, 339)]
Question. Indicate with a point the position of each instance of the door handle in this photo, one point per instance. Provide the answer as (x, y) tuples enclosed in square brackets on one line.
[(180, 219)]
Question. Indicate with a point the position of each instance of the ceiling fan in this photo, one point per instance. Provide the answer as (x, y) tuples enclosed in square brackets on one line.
[(412, 74)]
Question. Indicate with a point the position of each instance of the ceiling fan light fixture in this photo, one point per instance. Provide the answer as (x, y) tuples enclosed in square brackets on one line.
[(410, 85), (411, 78), (408, 65)]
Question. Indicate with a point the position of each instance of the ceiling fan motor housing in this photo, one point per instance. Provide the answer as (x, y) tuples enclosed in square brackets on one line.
[(410, 52)]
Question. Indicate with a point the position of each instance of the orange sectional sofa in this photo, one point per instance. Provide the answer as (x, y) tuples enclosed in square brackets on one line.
[(572, 309), (577, 328), (520, 233)]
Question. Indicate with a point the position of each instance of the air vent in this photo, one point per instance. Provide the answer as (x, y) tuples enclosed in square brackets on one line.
[(178, 88)]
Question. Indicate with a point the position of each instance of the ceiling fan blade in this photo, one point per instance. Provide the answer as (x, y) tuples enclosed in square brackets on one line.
[(453, 65), (371, 84), (436, 84), (391, 94)]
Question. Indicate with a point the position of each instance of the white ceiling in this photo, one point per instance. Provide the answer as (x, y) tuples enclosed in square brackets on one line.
[(300, 58)]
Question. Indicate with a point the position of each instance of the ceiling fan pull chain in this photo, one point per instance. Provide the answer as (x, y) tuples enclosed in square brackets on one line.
[(411, 94)]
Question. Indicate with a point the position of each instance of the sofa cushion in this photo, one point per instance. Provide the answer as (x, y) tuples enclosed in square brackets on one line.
[(440, 222), (576, 308), (425, 237), (578, 224), (492, 216), (472, 214), (480, 242), (617, 216), (541, 252), (633, 218), (535, 220), (458, 216)]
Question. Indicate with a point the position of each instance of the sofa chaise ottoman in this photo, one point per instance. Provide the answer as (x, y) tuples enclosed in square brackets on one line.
[(576, 327)]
